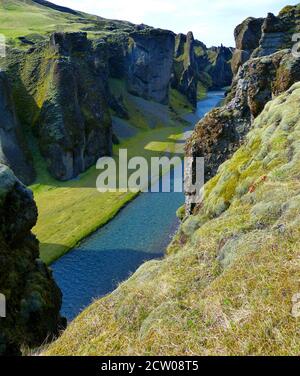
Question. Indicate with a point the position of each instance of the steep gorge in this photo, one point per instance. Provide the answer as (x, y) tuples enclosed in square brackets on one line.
[(229, 281), (61, 90)]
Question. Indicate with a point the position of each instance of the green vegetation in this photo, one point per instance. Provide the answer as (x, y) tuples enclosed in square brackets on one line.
[(179, 102), (26, 18), (201, 91), (36, 22), (288, 9), (227, 284), (70, 211)]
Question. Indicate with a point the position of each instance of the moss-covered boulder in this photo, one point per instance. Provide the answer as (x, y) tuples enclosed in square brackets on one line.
[(33, 300)]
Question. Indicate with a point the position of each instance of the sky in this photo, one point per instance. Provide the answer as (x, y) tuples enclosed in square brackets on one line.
[(212, 21)]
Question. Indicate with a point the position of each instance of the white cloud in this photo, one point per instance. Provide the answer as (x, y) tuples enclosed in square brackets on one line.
[(212, 21)]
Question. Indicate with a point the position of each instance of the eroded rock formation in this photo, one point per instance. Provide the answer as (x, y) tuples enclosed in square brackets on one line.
[(222, 131), (13, 150), (33, 300), (64, 86), (149, 64), (247, 36), (196, 65)]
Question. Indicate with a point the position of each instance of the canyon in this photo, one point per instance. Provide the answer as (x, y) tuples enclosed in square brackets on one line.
[(69, 96)]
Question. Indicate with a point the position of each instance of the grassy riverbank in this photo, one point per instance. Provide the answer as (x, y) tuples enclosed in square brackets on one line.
[(230, 282), (70, 211)]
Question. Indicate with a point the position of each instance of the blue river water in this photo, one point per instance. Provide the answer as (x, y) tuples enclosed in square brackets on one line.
[(140, 232)]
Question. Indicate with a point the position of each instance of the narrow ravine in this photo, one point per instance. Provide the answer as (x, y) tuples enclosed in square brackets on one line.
[(140, 232)]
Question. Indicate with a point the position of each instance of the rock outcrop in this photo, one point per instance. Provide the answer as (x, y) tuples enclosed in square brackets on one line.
[(220, 70), (149, 64), (185, 71), (257, 37), (220, 133), (64, 88), (33, 300), (247, 36), (13, 151), (277, 32), (195, 64)]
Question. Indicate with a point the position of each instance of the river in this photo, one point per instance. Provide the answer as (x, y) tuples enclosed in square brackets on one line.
[(140, 232)]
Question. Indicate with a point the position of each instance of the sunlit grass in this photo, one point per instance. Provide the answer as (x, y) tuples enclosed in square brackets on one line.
[(226, 286), (70, 211)]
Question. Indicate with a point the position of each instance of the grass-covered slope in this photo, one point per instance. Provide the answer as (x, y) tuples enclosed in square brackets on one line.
[(227, 285), (35, 20)]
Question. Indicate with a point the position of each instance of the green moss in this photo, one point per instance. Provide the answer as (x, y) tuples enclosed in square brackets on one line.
[(286, 10), (179, 102), (227, 284), (201, 91)]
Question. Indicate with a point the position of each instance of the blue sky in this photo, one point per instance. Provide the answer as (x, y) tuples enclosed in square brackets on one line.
[(212, 21)]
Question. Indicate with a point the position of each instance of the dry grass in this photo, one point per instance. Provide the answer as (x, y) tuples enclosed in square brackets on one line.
[(227, 285)]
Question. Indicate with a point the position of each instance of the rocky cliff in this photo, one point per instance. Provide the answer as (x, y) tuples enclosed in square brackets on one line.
[(229, 283), (258, 80), (220, 69), (149, 64), (196, 67), (60, 94), (12, 147), (33, 300), (264, 36)]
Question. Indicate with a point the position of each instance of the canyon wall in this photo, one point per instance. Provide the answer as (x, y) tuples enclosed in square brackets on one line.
[(57, 99), (13, 151), (33, 300), (264, 75), (197, 66)]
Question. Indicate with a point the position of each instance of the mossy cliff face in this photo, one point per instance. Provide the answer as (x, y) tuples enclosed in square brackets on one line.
[(229, 281), (220, 69), (33, 300), (196, 66), (185, 72), (222, 131), (143, 57), (60, 93), (12, 148)]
